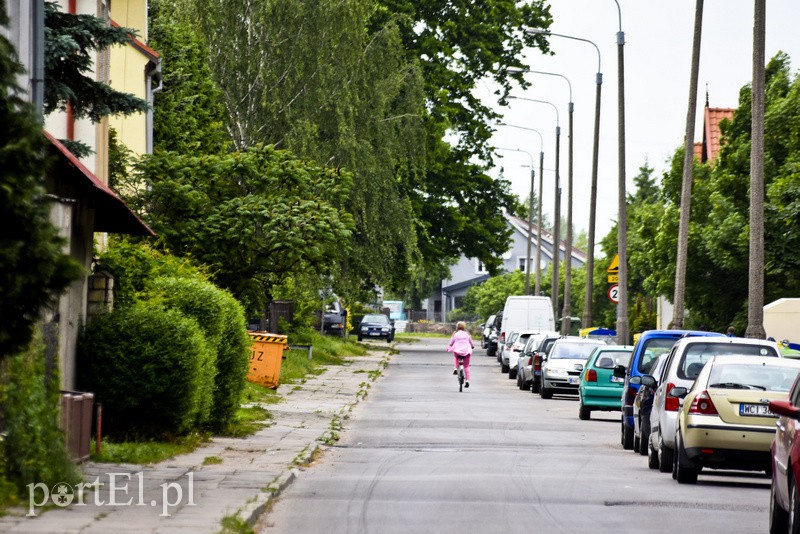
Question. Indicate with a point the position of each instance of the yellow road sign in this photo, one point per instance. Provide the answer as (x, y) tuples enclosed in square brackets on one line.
[(613, 278), (614, 267)]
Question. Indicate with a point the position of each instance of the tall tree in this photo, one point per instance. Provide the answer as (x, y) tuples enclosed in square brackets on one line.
[(70, 41), (33, 268)]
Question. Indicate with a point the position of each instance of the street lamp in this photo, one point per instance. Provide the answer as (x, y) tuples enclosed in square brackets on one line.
[(530, 215), (557, 216), (587, 303)]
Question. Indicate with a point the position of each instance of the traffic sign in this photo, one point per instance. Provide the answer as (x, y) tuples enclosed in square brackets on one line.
[(614, 267), (613, 278), (613, 293)]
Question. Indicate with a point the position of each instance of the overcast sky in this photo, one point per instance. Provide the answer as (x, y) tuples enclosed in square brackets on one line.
[(658, 42)]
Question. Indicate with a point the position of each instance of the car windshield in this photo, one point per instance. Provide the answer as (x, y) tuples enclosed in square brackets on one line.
[(761, 377), (608, 359), (523, 339), (572, 351), (654, 348), (381, 319), (697, 354), (548, 344)]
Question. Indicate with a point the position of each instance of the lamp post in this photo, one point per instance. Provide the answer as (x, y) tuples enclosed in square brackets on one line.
[(557, 216), (586, 319), (530, 216)]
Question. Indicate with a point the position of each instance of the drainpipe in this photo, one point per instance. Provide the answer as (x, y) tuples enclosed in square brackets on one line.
[(153, 72)]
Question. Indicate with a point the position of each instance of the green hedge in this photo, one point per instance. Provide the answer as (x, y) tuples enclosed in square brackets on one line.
[(32, 449), (223, 320), (151, 368)]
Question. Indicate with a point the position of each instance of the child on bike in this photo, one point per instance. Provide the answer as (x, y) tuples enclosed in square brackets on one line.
[(461, 345)]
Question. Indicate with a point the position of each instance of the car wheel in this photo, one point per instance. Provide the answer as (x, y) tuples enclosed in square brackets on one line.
[(491, 351), (512, 374), (360, 338), (665, 455), (778, 517), (503, 368), (644, 438), (535, 386), (521, 381), (636, 442), (584, 412), (545, 392), (652, 456), (685, 470), (794, 507), (627, 437)]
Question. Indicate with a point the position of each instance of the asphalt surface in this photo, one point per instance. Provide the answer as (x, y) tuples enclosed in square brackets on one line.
[(418, 456)]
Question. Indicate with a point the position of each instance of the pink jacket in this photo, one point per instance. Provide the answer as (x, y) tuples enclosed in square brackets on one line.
[(461, 343)]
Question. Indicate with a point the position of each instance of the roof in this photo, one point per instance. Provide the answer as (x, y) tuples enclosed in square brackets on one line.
[(111, 213), (466, 283), (522, 226), (712, 135), (151, 54)]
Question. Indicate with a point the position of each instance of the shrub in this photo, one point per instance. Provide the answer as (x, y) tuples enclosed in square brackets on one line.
[(222, 319), (148, 366), (135, 264), (32, 449)]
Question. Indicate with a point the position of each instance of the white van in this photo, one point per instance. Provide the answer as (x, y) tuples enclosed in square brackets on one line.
[(527, 312)]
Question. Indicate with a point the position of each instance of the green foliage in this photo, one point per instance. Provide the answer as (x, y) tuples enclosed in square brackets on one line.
[(254, 217), (189, 111), (70, 42), (151, 368), (222, 320), (135, 264), (33, 268), (32, 445)]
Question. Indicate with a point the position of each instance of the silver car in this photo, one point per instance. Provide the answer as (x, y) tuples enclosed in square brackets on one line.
[(561, 372), (684, 363)]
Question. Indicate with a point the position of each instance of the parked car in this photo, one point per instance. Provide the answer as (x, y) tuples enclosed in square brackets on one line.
[(651, 345), (334, 320), (486, 329), (561, 371), (513, 355), (502, 348), (525, 362), (537, 357), (599, 388), (376, 325), (784, 506), (643, 403), (684, 364), (492, 344), (724, 421)]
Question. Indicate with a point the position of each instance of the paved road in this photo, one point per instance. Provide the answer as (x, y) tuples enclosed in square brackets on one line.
[(418, 456)]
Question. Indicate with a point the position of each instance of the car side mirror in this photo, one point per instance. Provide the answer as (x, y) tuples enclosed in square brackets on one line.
[(649, 381), (482, 325), (678, 392), (619, 371), (785, 408), (635, 380)]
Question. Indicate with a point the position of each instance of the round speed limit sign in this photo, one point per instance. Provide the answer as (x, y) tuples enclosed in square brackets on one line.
[(613, 293)]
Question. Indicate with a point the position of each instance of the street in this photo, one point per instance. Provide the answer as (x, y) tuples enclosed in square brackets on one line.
[(418, 456)]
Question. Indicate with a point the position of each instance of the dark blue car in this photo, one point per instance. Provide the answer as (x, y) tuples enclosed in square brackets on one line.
[(651, 345)]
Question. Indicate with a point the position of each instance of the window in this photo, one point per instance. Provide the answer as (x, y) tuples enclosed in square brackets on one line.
[(480, 267), (521, 264)]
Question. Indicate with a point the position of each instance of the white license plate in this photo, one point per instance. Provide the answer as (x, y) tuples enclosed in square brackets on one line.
[(617, 379), (374, 333), (758, 410), (574, 380)]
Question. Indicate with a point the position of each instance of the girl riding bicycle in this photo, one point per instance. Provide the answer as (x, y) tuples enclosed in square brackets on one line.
[(461, 345)]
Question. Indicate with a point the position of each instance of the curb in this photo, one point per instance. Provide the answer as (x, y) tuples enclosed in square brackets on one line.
[(251, 512)]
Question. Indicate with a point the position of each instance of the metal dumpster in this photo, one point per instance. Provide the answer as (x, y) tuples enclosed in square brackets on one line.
[(266, 355)]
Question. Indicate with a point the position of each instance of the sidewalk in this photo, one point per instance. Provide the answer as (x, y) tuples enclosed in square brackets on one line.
[(182, 495)]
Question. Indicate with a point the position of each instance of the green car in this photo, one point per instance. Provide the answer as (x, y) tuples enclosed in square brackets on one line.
[(599, 388)]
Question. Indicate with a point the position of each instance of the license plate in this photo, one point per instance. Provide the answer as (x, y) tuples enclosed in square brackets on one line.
[(757, 410), (617, 379), (574, 380), (374, 333)]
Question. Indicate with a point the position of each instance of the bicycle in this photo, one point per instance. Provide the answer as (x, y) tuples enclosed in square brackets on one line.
[(461, 374)]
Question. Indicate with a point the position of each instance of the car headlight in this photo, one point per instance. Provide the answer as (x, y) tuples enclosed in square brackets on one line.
[(556, 372), (385, 328), (364, 329)]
